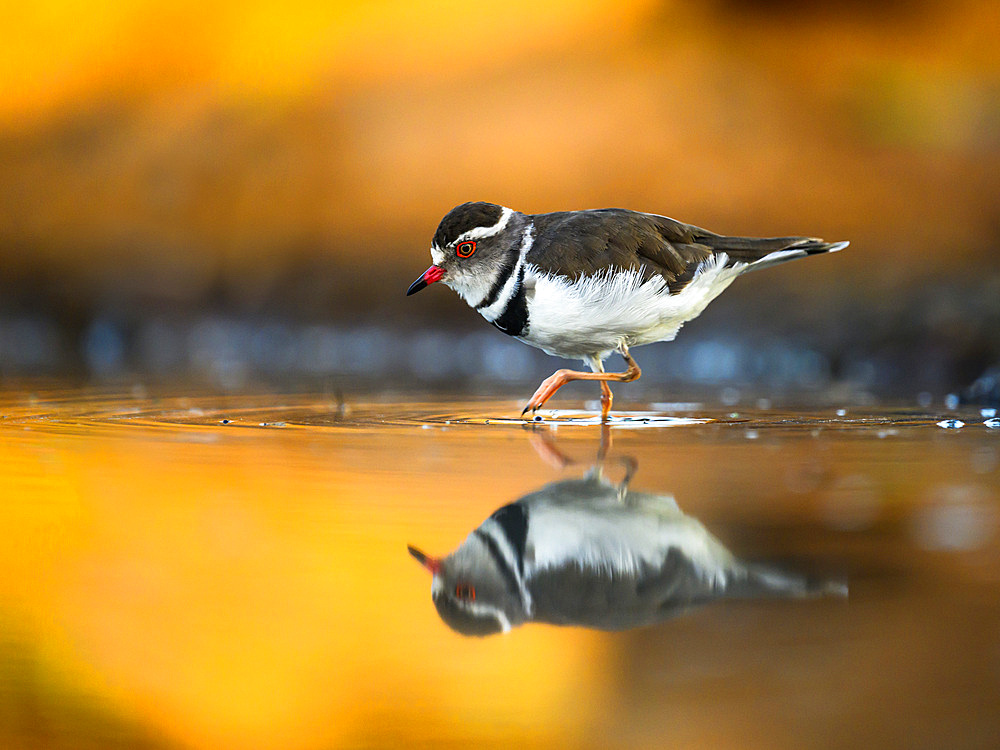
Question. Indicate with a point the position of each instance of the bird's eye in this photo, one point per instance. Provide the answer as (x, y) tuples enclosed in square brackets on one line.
[(465, 591), (465, 249)]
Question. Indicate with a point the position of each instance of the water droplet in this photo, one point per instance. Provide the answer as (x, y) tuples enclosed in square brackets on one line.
[(951, 401), (951, 424), (841, 412), (987, 413), (224, 421)]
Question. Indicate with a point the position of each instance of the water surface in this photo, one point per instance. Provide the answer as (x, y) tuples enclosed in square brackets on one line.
[(186, 570)]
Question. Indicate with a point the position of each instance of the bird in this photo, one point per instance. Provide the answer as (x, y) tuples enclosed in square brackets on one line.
[(590, 553), (586, 284)]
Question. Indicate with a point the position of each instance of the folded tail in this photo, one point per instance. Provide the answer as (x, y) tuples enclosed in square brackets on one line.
[(771, 251), (758, 581)]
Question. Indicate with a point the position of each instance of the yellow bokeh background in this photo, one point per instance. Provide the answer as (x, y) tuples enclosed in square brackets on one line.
[(173, 581)]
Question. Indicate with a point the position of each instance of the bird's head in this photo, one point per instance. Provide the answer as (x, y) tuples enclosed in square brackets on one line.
[(473, 242), (469, 590)]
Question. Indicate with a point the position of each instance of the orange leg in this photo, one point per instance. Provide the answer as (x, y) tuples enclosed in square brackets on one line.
[(560, 378), (606, 399)]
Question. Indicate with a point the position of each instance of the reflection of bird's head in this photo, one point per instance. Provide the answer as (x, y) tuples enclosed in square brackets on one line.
[(475, 590)]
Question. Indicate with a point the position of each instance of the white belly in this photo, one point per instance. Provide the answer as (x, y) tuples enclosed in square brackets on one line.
[(592, 316)]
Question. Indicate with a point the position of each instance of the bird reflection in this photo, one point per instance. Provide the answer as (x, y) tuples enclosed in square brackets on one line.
[(593, 553)]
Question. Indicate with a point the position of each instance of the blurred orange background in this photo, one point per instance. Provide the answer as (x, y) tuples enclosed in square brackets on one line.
[(262, 158), (184, 184)]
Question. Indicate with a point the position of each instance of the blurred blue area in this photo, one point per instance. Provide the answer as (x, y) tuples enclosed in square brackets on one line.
[(765, 335), (231, 352)]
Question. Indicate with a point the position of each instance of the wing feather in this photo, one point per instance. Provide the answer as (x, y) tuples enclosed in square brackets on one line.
[(586, 243)]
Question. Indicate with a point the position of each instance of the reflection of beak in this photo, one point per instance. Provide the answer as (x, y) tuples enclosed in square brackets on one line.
[(433, 564), (432, 274)]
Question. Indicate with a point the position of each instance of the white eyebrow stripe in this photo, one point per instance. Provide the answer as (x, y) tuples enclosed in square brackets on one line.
[(478, 233), (488, 610), (504, 622)]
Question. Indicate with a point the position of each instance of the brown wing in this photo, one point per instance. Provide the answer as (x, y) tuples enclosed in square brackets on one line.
[(584, 243)]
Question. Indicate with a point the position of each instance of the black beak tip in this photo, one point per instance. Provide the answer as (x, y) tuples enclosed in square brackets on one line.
[(420, 556), (416, 286)]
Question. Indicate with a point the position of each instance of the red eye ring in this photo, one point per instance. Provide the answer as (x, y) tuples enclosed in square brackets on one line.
[(465, 591), (465, 249)]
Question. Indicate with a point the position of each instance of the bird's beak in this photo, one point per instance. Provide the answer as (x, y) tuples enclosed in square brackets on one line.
[(433, 564), (432, 274)]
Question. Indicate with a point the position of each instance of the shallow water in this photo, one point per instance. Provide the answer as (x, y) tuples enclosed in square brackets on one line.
[(200, 571)]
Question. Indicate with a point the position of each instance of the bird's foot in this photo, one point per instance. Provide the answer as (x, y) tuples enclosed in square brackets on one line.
[(546, 390)]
